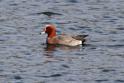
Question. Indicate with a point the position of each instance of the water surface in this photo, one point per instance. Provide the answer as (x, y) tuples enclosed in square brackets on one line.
[(25, 58)]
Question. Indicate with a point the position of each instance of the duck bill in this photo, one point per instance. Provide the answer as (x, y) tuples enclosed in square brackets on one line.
[(42, 33)]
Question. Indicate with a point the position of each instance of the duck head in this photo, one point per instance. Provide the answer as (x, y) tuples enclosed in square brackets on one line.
[(50, 30)]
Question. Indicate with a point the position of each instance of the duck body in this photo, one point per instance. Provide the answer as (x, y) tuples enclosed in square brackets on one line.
[(62, 39)]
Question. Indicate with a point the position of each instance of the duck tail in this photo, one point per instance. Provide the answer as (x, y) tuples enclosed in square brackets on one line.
[(84, 40)]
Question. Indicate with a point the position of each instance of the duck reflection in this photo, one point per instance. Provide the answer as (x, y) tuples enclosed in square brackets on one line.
[(50, 52), (51, 49)]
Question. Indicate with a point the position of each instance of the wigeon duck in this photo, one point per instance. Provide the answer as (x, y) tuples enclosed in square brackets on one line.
[(62, 39)]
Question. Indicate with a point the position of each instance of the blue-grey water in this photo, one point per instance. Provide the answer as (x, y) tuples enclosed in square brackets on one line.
[(25, 58)]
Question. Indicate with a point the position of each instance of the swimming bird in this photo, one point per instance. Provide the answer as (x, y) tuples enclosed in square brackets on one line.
[(63, 39)]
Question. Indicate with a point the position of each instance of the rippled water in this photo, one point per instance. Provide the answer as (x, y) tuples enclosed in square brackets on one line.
[(25, 58)]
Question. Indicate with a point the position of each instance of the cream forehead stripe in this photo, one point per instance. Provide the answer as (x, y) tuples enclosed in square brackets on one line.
[(43, 32), (47, 25)]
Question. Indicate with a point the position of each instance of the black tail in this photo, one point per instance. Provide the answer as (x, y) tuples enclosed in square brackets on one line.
[(84, 40)]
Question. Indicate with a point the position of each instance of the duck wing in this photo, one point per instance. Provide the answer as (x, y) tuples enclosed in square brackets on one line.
[(65, 38), (79, 37), (68, 40)]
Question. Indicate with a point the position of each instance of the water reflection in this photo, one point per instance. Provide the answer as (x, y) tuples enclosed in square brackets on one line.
[(52, 48), (54, 53), (49, 50), (49, 53)]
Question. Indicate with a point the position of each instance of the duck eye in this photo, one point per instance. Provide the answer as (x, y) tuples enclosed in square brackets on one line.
[(44, 29)]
